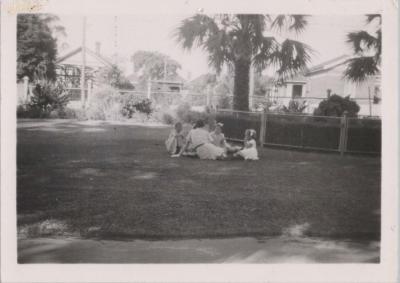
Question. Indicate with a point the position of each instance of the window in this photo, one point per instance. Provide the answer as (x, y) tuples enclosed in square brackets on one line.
[(297, 91)]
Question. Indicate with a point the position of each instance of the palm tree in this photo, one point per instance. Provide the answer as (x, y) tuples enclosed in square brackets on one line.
[(367, 48), (240, 41)]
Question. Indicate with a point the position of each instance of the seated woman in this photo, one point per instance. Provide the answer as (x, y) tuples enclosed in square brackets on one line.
[(176, 139), (199, 140)]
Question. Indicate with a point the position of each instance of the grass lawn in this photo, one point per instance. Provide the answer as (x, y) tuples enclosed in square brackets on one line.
[(113, 180)]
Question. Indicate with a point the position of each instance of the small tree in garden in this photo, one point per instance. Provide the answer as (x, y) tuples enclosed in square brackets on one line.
[(241, 40), (47, 97), (336, 105)]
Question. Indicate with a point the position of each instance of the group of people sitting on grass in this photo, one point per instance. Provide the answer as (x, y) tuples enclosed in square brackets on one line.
[(199, 142)]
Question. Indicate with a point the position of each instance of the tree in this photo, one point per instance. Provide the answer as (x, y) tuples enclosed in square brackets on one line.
[(367, 48), (114, 77), (37, 46), (151, 65), (240, 41)]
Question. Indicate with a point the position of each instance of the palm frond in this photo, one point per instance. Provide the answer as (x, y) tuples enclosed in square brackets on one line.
[(194, 30), (291, 58), (378, 46), (298, 23), (278, 23), (257, 27), (218, 47), (361, 41), (358, 69), (371, 17), (263, 57)]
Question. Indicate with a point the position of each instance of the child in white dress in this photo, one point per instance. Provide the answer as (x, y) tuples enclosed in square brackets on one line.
[(218, 139), (249, 151)]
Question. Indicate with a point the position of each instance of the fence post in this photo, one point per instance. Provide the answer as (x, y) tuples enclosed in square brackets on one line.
[(26, 82), (263, 126), (89, 92), (346, 131), (207, 96), (343, 133), (30, 91), (149, 89)]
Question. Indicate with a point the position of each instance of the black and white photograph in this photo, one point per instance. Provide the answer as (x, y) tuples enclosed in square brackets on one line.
[(199, 137)]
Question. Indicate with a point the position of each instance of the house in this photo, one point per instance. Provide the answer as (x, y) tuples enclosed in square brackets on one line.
[(327, 78), (69, 66), (166, 86)]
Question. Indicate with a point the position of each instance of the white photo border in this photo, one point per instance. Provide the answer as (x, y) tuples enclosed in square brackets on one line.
[(385, 271)]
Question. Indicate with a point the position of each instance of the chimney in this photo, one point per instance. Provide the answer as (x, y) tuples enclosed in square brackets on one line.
[(98, 46), (328, 92)]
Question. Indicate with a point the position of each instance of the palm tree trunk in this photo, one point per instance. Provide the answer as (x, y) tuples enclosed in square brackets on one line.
[(241, 85)]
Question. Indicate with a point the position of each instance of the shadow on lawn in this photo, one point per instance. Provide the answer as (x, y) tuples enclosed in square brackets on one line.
[(90, 125)]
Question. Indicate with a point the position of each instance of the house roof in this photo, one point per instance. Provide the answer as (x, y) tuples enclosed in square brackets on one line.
[(97, 57), (328, 65), (202, 80), (168, 82), (299, 78)]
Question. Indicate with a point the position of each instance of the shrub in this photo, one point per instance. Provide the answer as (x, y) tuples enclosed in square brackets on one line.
[(108, 104), (336, 105), (104, 105), (295, 106), (167, 118), (186, 115), (183, 112), (144, 106), (24, 112), (65, 113), (48, 97), (376, 99), (81, 115), (128, 105), (68, 113), (132, 104)]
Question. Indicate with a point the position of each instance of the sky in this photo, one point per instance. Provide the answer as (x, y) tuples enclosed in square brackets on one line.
[(126, 34)]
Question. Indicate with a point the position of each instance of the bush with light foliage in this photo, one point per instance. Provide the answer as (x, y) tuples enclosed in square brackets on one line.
[(104, 104)]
